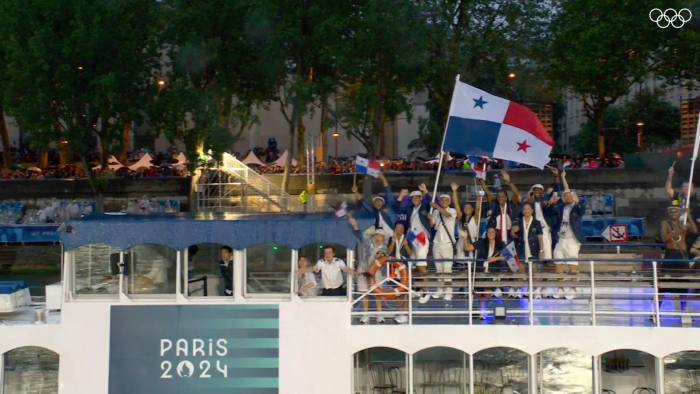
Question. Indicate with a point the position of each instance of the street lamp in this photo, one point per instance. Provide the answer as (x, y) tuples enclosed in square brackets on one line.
[(511, 75), (640, 135), (335, 141)]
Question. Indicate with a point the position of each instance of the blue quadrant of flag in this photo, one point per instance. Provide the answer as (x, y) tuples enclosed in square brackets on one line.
[(479, 135)]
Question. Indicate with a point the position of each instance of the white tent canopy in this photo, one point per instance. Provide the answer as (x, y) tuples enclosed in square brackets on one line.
[(112, 163), (282, 160), (144, 161), (252, 159), (436, 159)]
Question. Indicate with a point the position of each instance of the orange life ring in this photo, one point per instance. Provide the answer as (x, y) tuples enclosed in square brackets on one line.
[(397, 271)]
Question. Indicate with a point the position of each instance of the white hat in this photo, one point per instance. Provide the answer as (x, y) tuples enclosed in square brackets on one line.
[(378, 198), (416, 193), (447, 196), (536, 186)]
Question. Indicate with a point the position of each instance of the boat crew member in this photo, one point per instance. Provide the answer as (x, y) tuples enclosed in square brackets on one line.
[(332, 270), (226, 268)]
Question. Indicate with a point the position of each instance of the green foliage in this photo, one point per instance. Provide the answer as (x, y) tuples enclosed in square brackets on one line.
[(660, 118), (382, 58), (78, 69), (599, 48), (483, 41)]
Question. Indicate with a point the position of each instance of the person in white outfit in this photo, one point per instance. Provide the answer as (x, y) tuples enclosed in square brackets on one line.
[(418, 217), (443, 220)]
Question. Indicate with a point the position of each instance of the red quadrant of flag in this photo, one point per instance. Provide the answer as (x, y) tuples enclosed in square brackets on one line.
[(523, 118)]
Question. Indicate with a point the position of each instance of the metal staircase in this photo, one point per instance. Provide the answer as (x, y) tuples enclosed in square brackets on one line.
[(235, 187)]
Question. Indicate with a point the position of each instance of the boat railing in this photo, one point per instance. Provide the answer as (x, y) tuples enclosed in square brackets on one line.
[(610, 291)]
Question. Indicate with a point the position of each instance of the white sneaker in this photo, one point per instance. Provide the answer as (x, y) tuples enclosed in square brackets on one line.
[(424, 298), (416, 294), (438, 294), (537, 293), (401, 319), (380, 320), (570, 293), (498, 293), (448, 297), (365, 319), (518, 293), (559, 293)]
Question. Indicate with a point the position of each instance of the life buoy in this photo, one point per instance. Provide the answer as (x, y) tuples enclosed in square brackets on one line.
[(397, 271)]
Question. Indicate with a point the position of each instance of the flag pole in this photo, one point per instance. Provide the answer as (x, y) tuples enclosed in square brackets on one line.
[(692, 168), (442, 151)]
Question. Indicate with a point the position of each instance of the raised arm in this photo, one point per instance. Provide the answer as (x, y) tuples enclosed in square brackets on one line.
[(390, 200), (479, 203), (669, 182), (564, 182), (455, 199), (514, 189), (487, 192)]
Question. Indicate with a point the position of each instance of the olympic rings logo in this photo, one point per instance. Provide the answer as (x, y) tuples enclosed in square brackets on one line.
[(670, 17)]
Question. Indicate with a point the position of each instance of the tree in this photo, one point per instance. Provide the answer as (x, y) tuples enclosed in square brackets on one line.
[(483, 41), (660, 122), (382, 59), (4, 136), (305, 33), (78, 70), (598, 49), (218, 67)]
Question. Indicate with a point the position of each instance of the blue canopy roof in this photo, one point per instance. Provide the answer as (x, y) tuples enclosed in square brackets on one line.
[(181, 231)]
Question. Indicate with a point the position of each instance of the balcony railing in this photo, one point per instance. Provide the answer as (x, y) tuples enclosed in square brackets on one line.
[(609, 292)]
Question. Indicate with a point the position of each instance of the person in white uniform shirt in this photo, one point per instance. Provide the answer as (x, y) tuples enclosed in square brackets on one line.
[(332, 271), (443, 220)]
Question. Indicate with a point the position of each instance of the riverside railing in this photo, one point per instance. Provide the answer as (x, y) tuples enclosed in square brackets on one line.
[(619, 292)]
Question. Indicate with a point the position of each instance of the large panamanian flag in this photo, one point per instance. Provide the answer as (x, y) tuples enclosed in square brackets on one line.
[(482, 124)]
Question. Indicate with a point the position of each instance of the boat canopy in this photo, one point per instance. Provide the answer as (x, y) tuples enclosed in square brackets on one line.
[(237, 231)]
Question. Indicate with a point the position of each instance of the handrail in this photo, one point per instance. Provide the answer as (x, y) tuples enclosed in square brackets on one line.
[(263, 186), (629, 296)]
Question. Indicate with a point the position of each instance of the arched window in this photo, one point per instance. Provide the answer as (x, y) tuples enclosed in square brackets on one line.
[(95, 271), (151, 269), (628, 371), (439, 370), (502, 368), (268, 269), (209, 271), (682, 372), (564, 370), (30, 369), (380, 370)]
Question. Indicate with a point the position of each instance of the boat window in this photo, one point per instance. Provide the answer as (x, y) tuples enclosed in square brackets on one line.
[(682, 372), (380, 370), (440, 370), (309, 283), (268, 269), (209, 271), (628, 371), (38, 265), (564, 370), (95, 271), (501, 370), (150, 269), (30, 369)]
